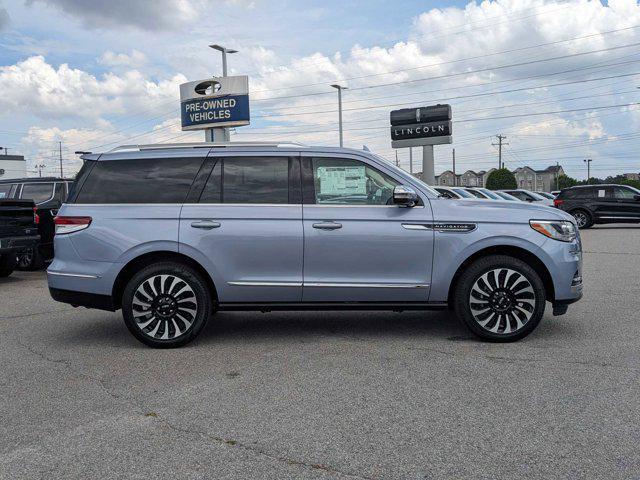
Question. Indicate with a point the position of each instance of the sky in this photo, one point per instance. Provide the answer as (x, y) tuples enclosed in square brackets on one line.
[(558, 78)]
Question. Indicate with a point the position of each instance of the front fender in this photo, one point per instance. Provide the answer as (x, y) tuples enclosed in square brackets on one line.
[(451, 249)]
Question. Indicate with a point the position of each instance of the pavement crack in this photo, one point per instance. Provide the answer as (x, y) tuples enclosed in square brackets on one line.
[(262, 452)]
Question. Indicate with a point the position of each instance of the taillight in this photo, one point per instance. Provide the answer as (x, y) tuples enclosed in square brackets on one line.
[(71, 224), (557, 202), (36, 217)]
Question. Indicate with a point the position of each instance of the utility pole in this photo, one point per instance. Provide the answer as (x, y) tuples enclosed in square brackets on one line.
[(40, 166), (453, 155), (588, 162), (339, 88), (60, 151), (500, 138), (220, 134)]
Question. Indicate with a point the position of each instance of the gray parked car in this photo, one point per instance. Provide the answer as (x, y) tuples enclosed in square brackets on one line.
[(173, 233)]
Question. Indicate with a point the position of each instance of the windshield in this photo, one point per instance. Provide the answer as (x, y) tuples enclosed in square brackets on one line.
[(506, 196), (462, 193), (546, 195), (490, 194), (534, 195)]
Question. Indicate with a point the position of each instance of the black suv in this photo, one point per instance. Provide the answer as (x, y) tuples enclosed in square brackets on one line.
[(591, 204), (48, 193)]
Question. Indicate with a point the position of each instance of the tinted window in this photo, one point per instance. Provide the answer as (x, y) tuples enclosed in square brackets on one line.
[(60, 193), (463, 193), (5, 190), (476, 194), (38, 192), (248, 180), (350, 182), (164, 180)]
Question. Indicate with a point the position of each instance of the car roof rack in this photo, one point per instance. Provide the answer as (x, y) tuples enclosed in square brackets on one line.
[(163, 146)]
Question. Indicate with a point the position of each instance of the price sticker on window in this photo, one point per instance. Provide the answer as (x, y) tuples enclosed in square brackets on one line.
[(342, 180)]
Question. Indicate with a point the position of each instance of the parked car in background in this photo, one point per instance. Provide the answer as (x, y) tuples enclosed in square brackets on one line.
[(48, 194), (487, 193), (529, 196), (506, 196), (449, 192), (555, 193), (476, 193), (171, 234), (18, 231), (593, 204), (546, 195)]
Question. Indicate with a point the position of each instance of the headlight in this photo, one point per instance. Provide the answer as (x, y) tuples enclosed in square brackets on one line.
[(562, 230)]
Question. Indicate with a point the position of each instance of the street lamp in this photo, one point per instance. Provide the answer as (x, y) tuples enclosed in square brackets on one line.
[(224, 52), (339, 88), (220, 134), (588, 162)]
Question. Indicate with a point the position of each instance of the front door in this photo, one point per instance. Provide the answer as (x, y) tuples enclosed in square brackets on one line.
[(627, 207), (358, 246), (246, 228)]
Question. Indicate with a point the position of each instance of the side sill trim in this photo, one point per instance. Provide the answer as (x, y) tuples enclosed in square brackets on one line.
[(76, 275), (327, 285), (317, 306)]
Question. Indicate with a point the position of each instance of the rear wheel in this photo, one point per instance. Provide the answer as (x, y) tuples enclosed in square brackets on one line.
[(500, 298), (166, 305), (7, 264), (583, 218)]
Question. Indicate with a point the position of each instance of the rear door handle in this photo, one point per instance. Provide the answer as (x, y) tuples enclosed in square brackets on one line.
[(205, 224), (327, 225)]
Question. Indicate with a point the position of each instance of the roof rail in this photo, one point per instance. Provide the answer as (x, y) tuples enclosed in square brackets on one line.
[(162, 146)]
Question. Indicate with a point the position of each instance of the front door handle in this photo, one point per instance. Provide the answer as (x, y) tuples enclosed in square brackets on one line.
[(327, 225), (205, 224)]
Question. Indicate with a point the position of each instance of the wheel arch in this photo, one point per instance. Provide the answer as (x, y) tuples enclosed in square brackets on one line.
[(149, 258), (510, 250)]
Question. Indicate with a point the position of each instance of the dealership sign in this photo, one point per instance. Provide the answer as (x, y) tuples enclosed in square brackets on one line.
[(215, 102), (413, 127)]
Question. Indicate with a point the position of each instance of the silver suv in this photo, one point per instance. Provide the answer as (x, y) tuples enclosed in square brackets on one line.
[(172, 234)]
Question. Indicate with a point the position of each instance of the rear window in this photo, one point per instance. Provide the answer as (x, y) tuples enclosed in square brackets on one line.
[(38, 192), (165, 180), (4, 190)]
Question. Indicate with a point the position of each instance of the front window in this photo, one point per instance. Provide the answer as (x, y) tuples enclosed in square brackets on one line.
[(343, 181), (624, 193)]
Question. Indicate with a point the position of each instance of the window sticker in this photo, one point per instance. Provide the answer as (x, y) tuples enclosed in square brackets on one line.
[(601, 193), (342, 180)]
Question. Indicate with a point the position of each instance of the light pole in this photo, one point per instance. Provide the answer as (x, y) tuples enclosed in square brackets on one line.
[(588, 162), (220, 134), (339, 88)]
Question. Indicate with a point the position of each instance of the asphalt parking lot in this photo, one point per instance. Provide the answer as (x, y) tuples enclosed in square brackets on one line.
[(327, 395)]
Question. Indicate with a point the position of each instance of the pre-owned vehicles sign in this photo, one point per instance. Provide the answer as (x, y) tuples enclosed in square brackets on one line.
[(215, 102)]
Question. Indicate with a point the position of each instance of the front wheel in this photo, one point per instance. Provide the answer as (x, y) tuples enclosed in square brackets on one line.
[(500, 298), (166, 305)]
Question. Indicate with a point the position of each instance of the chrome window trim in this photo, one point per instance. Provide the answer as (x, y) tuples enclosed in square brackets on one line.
[(53, 190)]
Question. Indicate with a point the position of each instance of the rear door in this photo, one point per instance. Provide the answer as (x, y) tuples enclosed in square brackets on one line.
[(245, 225), (358, 245)]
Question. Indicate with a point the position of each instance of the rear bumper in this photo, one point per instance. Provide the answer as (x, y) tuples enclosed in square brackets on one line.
[(83, 299), (13, 244)]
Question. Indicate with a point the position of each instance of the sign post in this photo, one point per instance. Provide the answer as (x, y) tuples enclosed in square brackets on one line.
[(425, 127), (213, 104)]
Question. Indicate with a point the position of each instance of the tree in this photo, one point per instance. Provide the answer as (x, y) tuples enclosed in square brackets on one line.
[(501, 179), (565, 181)]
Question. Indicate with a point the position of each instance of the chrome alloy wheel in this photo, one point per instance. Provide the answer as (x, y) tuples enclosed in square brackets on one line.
[(581, 219), (164, 307), (502, 301)]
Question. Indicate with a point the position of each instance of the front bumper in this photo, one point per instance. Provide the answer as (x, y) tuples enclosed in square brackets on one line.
[(14, 244)]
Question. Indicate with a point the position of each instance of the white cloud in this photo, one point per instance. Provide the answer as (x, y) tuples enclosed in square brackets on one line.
[(134, 59)]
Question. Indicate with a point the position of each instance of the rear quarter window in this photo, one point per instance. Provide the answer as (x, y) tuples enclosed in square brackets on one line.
[(165, 180)]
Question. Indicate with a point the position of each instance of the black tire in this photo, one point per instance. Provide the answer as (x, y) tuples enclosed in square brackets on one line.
[(7, 264), (30, 259), (183, 303), (514, 302), (583, 217)]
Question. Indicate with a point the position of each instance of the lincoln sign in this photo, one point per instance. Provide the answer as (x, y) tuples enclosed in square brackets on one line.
[(215, 102), (413, 127)]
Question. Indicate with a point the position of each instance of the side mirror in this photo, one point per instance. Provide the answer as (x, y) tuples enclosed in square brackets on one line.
[(404, 196)]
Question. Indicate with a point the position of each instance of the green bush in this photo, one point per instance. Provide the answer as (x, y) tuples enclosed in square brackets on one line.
[(501, 179)]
